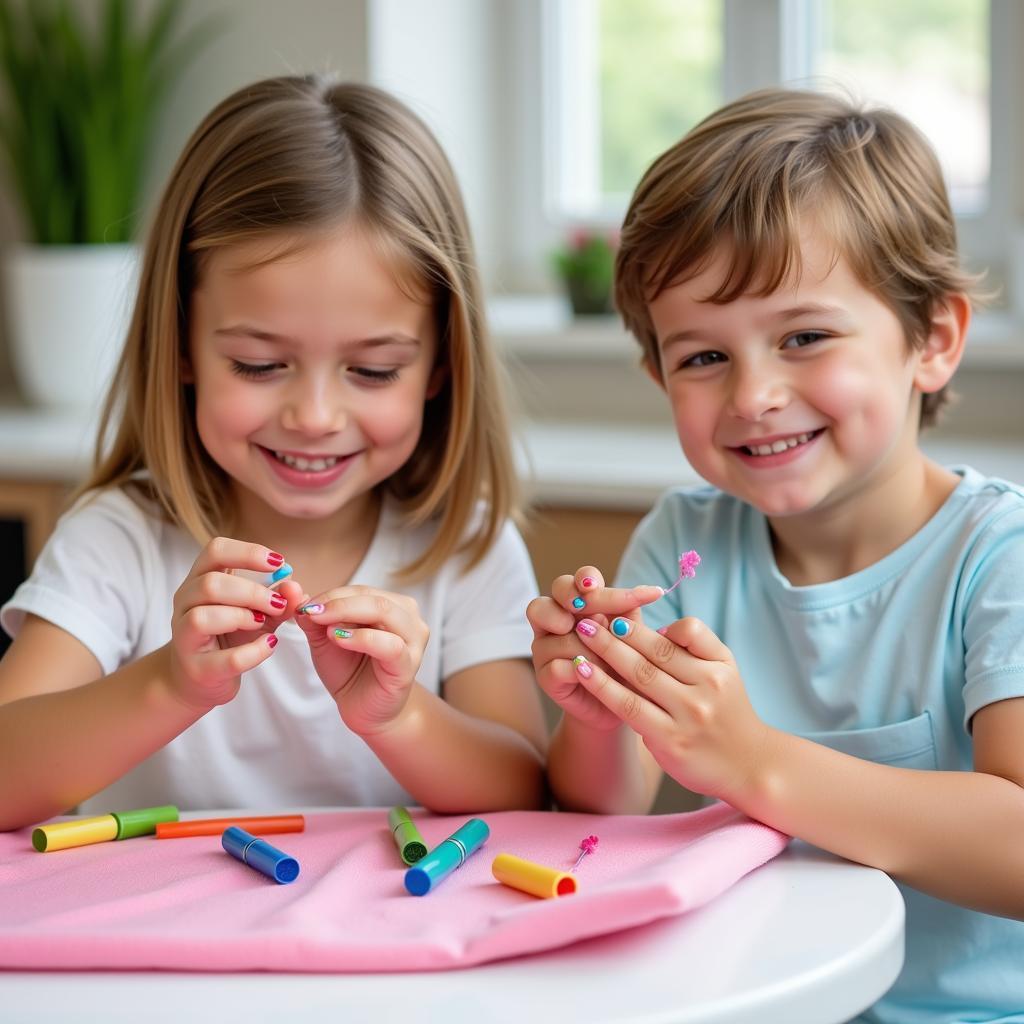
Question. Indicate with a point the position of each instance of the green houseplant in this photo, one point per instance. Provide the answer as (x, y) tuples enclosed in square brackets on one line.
[(80, 100), (585, 264)]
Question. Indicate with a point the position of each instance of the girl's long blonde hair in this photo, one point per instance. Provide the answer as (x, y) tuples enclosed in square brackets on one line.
[(283, 157)]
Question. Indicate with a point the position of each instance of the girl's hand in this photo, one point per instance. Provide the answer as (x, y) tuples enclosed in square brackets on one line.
[(556, 643), (367, 646), (683, 694), (223, 625)]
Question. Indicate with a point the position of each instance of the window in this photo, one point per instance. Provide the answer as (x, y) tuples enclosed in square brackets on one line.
[(620, 80)]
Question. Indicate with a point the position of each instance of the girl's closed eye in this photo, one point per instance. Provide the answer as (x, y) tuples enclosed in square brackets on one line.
[(373, 375), (253, 371)]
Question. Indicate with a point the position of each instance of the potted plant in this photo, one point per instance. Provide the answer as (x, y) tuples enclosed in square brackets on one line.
[(585, 265), (79, 111)]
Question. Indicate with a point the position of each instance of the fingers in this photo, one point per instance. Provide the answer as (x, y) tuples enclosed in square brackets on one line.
[(199, 624), (225, 553), (547, 618), (390, 651), (569, 593), (221, 588), (698, 639), (231, 662)]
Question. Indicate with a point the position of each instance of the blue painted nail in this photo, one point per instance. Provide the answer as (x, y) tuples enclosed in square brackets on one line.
[(281, 574), (578, 602), (620, 627)]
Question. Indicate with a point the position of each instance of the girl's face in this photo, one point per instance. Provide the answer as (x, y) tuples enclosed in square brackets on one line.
[(311, 371), (793, 401)]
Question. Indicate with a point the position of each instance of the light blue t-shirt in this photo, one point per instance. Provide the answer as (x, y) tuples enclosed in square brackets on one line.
[(888, 664)]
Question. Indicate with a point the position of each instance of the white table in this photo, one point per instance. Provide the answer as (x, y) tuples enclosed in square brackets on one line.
[(806, 939)]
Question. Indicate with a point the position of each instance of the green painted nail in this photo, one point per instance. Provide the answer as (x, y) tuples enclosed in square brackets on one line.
[(343, 634)]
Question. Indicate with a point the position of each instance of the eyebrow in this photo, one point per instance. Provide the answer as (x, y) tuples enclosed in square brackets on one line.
[(783, 316), (378, 341)]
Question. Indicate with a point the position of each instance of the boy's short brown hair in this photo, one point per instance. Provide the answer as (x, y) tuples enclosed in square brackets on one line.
[(748, 174)]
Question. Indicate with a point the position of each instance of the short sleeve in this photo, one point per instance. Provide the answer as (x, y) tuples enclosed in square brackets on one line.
[(993, 616), (485, 608), (90, 578)]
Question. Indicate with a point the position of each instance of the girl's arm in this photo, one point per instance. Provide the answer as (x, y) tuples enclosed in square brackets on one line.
[(67, 731), (480, 748), (955, 835)]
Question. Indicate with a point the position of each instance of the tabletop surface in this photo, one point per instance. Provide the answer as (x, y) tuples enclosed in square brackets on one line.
[(806, 939)]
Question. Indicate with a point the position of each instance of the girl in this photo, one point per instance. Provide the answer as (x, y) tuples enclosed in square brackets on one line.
[(307, 376)]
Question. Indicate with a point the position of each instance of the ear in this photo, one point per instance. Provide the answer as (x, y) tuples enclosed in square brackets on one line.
[(942, 352), (652, 371), (438, 376)]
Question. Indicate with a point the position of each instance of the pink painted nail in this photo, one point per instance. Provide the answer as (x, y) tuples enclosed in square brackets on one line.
[(586, 627), (271, 641), (275, 559), (278, 601), (587, 582), (582, 666), (311, 609), (259, 617), (663, 631)]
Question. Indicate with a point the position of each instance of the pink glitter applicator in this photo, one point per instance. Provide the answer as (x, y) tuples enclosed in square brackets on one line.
[(688, 562), (588, 845)]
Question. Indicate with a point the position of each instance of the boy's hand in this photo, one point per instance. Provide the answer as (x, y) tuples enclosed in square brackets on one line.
[(556, 643), (684, 696), (223, 625), (371, 671)]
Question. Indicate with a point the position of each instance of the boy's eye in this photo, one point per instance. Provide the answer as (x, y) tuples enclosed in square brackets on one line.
[(252, 371), (702, 359), (373, 376), (803, 339)]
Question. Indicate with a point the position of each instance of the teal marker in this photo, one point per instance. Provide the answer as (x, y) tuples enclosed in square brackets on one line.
[(450, 854)]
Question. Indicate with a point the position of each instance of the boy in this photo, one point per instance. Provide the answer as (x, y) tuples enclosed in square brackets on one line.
[(848, 664)]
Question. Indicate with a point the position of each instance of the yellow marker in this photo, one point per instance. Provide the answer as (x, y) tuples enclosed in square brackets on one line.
[(118, 825), (536, 879)]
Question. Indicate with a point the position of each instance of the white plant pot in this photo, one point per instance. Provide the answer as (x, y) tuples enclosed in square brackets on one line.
[(68, 309)]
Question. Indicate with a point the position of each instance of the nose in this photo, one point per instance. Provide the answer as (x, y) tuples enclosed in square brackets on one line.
[(756, 389), (314, 406)]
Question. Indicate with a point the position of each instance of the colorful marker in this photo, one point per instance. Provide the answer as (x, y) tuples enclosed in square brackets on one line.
[(536, 879), (450, 854), (407, 837), (261, 826), (259, 854), (118, 825)]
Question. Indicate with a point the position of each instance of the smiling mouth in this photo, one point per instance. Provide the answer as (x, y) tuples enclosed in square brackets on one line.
[(782, 445), (316, 464)]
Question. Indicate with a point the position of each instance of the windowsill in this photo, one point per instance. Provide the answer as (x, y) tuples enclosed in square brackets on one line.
[(542, 327)]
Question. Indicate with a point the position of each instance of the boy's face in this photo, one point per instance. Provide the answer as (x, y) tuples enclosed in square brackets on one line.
[(795, 401)]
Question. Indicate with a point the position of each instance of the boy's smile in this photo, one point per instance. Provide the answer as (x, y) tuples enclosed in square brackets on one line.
[(797, 401)]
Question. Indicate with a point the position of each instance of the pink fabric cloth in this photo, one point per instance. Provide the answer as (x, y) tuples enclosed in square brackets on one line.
[(185, 904)]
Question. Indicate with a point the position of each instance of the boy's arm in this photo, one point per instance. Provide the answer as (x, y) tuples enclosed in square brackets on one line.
[(67, 731), (954, 835)]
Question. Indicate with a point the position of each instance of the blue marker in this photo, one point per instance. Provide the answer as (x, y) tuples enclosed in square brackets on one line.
[(259, 854), (452, 852)]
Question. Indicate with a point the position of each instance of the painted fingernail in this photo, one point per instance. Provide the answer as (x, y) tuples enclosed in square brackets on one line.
[(278, 601), (578, 602), (282, 573), (582, 666), (275, 559), (587, 582), (586, 627), (663, 631), (259, 617), (311, 609), (342, 634), (271, 641), (620, 627)]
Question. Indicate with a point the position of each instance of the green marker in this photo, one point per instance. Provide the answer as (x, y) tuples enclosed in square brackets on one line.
[(407, 837)]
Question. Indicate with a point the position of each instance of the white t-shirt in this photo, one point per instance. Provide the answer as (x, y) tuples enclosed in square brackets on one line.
[(108, 576)]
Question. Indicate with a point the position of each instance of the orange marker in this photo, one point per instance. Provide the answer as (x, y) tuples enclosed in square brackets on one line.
[(265, 826)]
